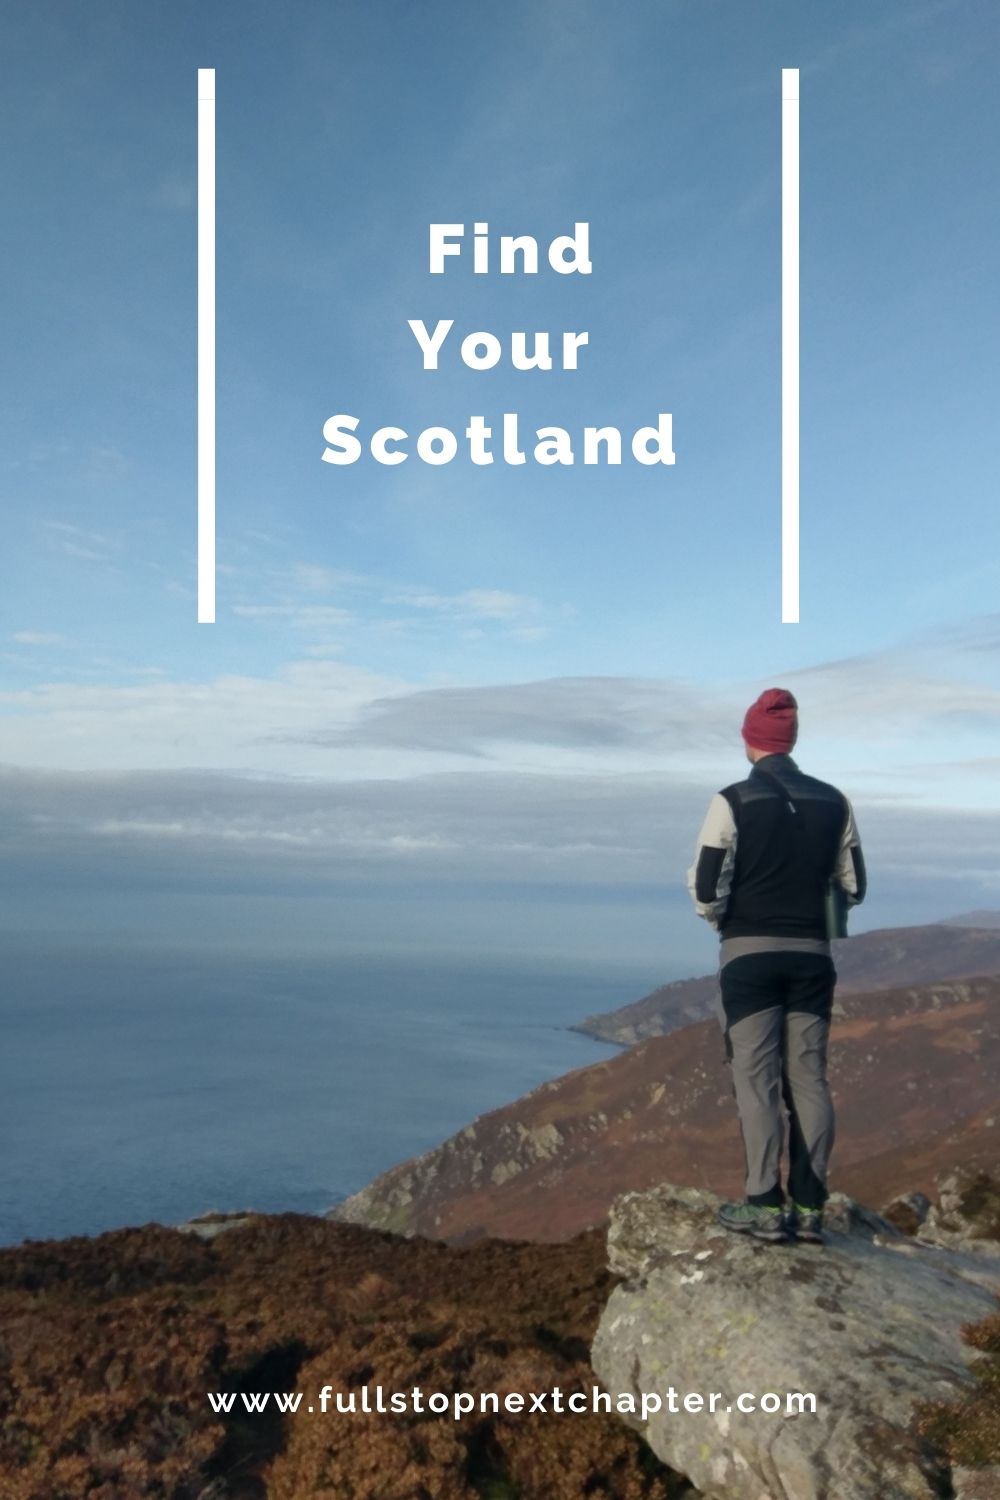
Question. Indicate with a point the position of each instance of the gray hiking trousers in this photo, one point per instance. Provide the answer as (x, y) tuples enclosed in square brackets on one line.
[(777, 1025)]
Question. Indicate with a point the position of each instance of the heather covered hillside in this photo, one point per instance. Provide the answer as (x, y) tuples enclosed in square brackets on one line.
[(109, 1347), (916, 1077)]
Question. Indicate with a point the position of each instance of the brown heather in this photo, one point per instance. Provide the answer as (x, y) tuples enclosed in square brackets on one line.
[(969, 1430), (109, 1345)]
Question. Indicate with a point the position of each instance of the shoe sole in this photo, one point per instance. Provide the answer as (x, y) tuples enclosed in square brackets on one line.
[(769, 1236)]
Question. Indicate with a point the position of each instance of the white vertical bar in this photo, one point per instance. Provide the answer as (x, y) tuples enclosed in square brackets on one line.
[(789, 346), (206, 346)]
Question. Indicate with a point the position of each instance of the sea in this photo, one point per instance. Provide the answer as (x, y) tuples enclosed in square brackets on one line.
[(140, 1086)]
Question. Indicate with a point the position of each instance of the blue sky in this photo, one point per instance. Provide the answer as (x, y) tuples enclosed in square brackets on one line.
[(485, 705)]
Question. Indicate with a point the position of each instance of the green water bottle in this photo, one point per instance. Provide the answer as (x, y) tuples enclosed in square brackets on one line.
[(835, 910)]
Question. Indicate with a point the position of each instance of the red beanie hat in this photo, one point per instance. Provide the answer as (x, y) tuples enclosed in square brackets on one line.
[(772, 723)]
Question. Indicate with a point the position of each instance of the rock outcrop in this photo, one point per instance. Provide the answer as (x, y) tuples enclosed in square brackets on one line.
[(109, 1346), (870, 1325)]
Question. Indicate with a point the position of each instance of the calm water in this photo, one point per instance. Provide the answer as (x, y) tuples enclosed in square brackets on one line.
[(154, 1086)]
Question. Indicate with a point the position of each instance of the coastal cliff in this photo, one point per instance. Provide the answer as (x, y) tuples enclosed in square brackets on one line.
[(915, 1073)]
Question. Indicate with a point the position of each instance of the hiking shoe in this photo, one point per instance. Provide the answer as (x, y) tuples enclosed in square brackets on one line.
[(806, 1224), (754, 1219)]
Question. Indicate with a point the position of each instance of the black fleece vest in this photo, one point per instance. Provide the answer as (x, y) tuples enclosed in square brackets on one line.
[(788, 832)]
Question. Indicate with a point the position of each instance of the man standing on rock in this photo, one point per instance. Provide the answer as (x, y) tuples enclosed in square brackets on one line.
[(770, 851)]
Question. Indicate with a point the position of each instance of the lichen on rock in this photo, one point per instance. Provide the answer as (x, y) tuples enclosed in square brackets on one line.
[(870, 1325)]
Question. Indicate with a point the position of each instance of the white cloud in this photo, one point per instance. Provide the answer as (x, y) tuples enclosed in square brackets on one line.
[(301, 616), (39, 638), (282, 597), (890, 727), (314, 578), (230, 721), (325, 648), (476, 604)]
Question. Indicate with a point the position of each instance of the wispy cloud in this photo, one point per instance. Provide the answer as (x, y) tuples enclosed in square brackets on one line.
[(287, 597), (870, 35), (474, 604), (230, 721), (313, 578), (301, 616), (882, 721), (78, 541), (40, 638), (896, 692)]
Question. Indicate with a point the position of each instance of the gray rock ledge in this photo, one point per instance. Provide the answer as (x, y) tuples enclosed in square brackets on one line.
[(870, 1324)]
